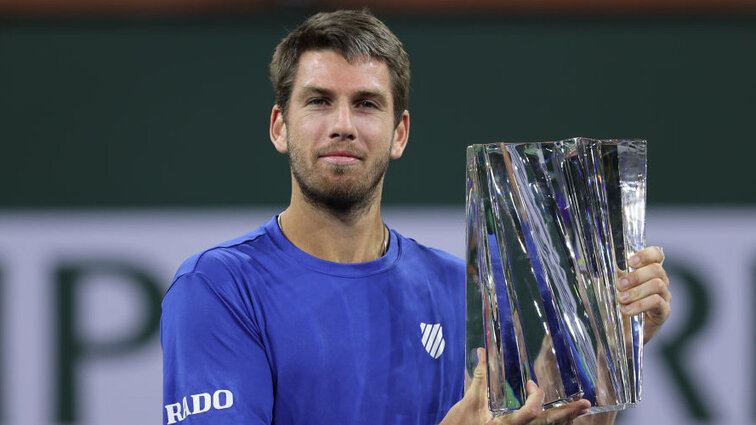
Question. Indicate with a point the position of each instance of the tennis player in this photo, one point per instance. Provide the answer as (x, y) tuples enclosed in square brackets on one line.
[(324, 314)]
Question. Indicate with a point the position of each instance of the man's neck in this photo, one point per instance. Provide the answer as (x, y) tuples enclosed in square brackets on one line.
[(352, 237)]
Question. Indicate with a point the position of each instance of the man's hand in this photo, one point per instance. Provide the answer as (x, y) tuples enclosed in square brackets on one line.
[(473, 408), (646, 290)]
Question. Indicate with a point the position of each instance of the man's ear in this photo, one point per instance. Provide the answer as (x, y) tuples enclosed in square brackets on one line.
[(278, 129), (401, 135)]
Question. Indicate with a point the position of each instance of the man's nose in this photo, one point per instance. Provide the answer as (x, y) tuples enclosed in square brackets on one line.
[(343, 123)]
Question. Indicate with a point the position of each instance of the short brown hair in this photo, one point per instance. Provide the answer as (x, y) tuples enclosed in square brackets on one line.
[(353, 34)]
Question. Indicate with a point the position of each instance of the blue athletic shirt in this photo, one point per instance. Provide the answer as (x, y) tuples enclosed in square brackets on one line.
[(256, 331)]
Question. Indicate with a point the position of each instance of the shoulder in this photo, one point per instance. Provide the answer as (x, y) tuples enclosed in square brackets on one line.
[(219, 284), (229, 261), (430, 257)]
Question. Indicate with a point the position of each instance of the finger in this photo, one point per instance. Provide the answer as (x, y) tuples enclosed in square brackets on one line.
[(652, 254), (555, 416), (531, 409), (565, 414), (643, 274), (655, 307), (646, 289), (477, 391)]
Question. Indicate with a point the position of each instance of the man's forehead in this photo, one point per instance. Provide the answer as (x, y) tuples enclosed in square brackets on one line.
[(357, 59), (318, 67)]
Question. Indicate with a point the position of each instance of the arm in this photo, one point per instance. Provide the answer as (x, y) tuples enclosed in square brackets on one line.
[(215, 369)]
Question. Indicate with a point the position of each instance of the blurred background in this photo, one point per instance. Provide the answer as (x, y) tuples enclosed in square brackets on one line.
[(134, 133)]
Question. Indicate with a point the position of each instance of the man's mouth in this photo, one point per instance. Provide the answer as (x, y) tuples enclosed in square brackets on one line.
[(340, 158)]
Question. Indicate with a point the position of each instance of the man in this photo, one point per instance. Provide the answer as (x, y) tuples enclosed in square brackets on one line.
[(314, 317)]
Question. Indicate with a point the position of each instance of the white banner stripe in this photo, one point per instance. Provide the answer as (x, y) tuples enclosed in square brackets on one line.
[(426, 334), (433, 343), (432, 338), (440, 350), (436, 343)]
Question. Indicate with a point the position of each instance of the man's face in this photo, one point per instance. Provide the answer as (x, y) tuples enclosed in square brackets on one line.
[(339, 129)]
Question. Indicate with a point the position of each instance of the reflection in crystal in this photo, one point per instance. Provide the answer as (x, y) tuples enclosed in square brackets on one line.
[(550, 227)]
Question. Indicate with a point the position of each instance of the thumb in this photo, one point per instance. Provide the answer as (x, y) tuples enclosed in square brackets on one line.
[(532, 407), (477, 392), (473, 408)]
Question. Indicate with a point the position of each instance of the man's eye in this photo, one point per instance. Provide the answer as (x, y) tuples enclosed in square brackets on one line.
[(317, 101), (367, 104)]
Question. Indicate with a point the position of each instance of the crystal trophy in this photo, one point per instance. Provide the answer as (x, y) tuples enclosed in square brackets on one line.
[(550, 229)]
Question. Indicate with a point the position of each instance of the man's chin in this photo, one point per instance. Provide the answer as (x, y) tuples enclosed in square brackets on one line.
[(342, 203), (340, 196), (343, 189)]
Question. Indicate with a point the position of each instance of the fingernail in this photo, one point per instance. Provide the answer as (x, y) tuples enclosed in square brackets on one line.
[(634, 261), (624, 283), (624, 296), (626, 308)]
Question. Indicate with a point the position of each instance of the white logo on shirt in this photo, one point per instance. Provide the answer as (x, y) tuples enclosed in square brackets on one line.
[(198, 403), (433, 338)]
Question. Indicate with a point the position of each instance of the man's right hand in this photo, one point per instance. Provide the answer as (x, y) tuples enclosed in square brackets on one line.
[(473, 408)]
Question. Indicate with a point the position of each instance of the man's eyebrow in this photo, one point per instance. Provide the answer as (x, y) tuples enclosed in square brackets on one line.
[(370, 94), (308, 90)]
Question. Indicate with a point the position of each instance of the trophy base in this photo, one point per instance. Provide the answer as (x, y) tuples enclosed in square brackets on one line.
[(561, 402), (553, 404), (591, 411), (614, 408)]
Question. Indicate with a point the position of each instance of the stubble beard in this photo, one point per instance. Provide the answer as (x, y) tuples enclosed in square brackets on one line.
[(348, 199)]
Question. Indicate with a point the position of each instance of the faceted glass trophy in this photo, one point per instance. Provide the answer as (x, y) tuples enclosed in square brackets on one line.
[(550, 228)]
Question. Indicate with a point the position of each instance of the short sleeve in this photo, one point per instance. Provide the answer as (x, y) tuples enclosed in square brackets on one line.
[(215, 368)]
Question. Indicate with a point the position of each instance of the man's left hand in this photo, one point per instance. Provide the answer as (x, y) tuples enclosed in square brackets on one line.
[(646, 290)]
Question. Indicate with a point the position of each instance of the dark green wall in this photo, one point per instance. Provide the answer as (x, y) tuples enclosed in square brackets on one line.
[(175, 113)]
